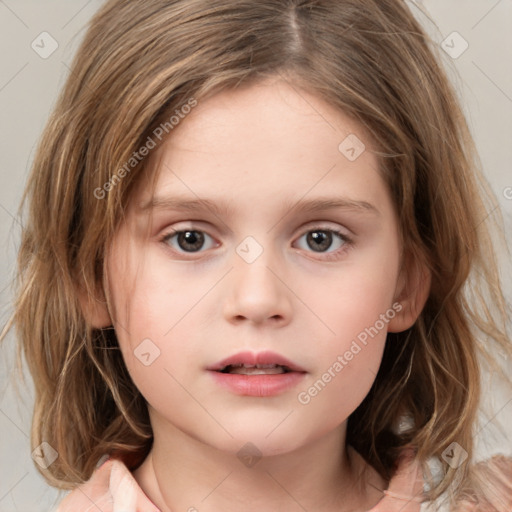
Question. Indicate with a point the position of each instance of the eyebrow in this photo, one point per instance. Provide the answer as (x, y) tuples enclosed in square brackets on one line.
[(224, 208)]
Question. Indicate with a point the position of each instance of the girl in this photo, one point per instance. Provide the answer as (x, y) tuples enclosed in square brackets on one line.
[(245, 275)]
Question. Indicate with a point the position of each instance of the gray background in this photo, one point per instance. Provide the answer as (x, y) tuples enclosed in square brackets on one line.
[(28, 88)]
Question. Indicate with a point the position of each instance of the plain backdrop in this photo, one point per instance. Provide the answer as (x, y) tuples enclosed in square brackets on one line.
[(477, 58)]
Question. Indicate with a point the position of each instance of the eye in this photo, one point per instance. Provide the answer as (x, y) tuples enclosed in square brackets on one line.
[(188, 240), (320, 240)]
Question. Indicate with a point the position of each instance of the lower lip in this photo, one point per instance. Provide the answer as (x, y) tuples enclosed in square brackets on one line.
[(258, 385)]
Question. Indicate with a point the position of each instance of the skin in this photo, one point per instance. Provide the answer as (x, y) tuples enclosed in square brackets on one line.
[(259, 149)]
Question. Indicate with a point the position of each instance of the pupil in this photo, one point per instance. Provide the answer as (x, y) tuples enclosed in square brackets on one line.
[(193, 239), (321, 240)]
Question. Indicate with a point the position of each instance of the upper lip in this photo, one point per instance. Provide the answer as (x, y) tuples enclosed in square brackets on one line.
[(254, 358)]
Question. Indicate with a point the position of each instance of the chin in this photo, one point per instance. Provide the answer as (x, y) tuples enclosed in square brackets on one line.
[(263, 439)]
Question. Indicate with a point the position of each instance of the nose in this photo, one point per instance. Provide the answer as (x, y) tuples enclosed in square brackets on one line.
[(258, 292)]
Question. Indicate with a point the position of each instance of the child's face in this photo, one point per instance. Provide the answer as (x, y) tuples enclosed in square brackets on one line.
[(202, 298)]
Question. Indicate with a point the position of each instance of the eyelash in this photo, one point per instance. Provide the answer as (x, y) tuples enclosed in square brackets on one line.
[(328, 256)]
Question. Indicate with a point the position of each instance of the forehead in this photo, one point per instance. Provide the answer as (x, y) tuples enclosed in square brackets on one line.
[(274, 114), (268, 141)]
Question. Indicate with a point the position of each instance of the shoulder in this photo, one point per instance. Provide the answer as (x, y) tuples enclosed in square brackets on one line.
[(488, 488), (111, 487)]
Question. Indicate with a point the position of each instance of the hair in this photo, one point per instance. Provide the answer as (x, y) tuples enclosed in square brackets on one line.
[(139, 62)]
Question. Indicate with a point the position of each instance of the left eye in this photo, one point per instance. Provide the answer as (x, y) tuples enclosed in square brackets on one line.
[(319, 240)]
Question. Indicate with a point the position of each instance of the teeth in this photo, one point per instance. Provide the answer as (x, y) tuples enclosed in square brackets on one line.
[(257, 371), (263, 366), (251, 369)]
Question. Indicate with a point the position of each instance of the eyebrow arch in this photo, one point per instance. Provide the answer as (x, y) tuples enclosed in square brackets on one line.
[(306, 206)]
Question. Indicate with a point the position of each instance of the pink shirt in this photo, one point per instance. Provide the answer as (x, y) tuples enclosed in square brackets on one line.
[(113, 488)]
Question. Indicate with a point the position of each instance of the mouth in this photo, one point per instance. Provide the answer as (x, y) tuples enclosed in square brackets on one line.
[(262, 374), (260, 363)]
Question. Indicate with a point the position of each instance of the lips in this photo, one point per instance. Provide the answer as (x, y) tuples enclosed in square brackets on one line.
[(260, 363), (264, 374)]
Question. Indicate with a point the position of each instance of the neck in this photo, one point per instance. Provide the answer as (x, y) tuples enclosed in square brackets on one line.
[(183, 473)]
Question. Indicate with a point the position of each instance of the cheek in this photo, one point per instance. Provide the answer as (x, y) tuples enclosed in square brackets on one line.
[(348, 360), (149, 307), (357, 299), (145, 300), (355, 306)]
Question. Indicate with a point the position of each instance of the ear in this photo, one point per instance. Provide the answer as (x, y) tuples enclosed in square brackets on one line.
[(413, 288), (94, 308)]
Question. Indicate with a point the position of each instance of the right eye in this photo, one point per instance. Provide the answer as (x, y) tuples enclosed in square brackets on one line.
[(186, 240)]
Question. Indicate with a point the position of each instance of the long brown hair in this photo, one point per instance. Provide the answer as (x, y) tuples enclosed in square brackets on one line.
[(140, 62)]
